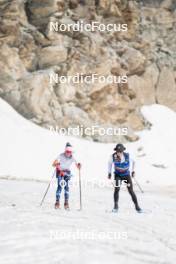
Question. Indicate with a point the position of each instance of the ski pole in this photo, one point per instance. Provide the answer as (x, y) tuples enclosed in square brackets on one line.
[(80, 190), (138, 185), (47, 189)]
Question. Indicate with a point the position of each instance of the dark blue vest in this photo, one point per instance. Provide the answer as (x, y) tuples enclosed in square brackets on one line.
[(121, 168)]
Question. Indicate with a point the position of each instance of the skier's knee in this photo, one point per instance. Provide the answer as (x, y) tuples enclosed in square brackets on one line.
[(116, 189)]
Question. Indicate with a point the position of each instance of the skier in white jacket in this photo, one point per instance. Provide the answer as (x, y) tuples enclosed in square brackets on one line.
[(63, 173)]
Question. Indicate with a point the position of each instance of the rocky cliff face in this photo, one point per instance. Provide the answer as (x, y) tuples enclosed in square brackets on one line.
[(30, 51)]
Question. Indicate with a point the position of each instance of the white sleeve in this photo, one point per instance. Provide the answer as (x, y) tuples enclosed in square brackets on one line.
[(110, 163)]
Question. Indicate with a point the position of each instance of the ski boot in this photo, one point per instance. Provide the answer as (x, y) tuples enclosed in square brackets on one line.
[(66, 205), (57, 205), (138, 209), (115, 209)]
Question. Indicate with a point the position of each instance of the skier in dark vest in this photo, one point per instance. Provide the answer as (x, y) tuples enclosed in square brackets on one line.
[(123, 171), (63, 173)]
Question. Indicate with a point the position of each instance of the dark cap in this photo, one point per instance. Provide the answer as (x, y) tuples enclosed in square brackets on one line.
[(68, 145), (119, 148)]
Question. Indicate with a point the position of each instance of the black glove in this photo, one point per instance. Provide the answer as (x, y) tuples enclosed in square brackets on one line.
[(109, 176), (133, 174)]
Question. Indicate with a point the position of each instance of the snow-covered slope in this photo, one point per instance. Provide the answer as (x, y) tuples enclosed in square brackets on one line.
[(33, 234), (157, 162), (27, 151)]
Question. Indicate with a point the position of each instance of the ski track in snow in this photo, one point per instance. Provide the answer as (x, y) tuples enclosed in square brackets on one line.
[(25, 227)]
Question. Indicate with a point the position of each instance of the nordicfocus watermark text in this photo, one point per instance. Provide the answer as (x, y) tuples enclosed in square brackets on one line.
[(93, 130), (87, 79), (87, 235), (81, 26), (93, 184)]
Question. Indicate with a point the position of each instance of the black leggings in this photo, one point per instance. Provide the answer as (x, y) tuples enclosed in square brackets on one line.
[(128, 181)]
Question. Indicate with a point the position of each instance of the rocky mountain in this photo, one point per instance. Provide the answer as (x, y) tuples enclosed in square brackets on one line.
[(30, 52)]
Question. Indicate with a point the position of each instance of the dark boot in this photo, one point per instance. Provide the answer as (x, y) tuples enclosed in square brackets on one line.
[(115, 209), (138, 209), (57, 205), (66, 205), (115, 206)]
